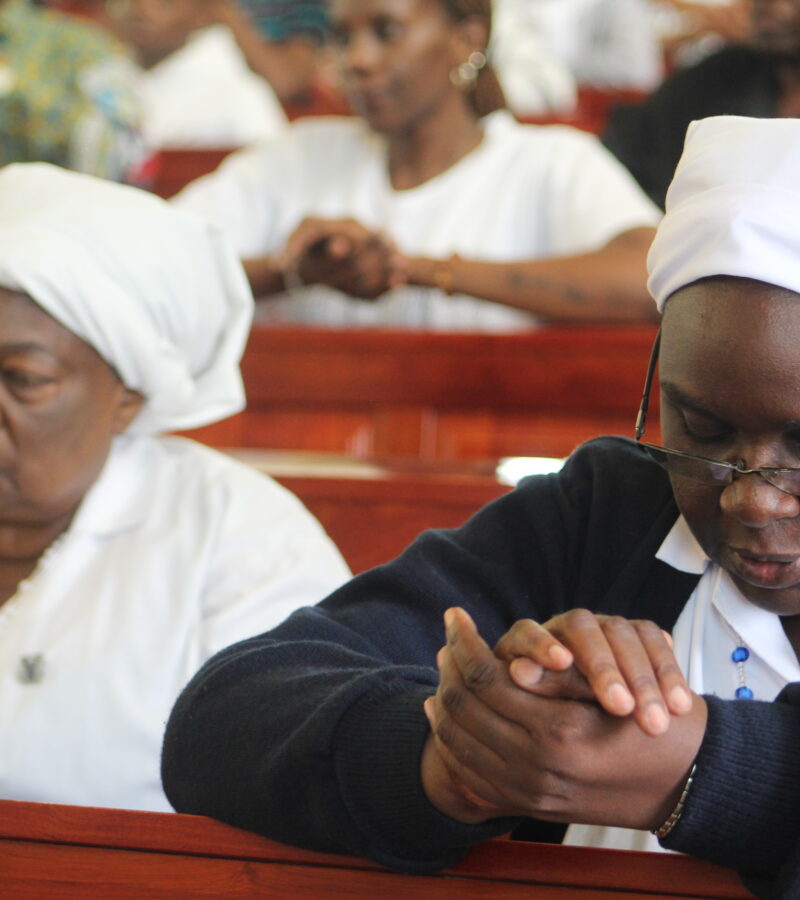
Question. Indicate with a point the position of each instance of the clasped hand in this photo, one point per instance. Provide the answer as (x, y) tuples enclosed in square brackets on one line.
[(343, 254), (586, 718)]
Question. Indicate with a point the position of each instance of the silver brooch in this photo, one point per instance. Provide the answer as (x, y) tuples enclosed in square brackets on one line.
[(31, 668)]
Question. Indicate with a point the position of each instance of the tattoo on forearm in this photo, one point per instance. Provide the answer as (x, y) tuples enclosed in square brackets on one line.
[(521, 281)]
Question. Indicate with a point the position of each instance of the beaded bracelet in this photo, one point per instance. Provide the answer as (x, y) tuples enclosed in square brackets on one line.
[(291, 277), (443, 276), (672, 819)]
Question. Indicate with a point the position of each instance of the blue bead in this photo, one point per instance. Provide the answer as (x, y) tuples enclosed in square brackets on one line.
[(744, 693), (740, 654)]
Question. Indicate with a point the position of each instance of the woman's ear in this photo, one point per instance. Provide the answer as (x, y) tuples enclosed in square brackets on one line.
[(472, 34), (130, 402)]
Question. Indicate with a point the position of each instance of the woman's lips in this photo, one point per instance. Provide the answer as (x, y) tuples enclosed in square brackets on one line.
[(767, 570)]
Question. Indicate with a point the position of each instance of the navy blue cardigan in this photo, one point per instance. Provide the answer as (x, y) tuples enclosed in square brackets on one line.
[(311, 734)]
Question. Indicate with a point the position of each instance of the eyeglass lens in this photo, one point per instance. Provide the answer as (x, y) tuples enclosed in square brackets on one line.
[(718, 473)]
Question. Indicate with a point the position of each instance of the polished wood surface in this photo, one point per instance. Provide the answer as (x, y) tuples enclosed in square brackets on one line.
[(592, 108), (436, 396), (51, 852), (170, 170), (372, 510)]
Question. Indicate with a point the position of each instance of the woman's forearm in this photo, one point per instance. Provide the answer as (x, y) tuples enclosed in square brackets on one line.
[(605, 285), (265, 276)]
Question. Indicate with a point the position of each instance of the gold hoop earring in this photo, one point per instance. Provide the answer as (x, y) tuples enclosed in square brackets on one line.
[(465, 75)]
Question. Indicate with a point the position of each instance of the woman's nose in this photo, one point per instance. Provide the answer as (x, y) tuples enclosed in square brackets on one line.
[(755, 502), (361, 54)]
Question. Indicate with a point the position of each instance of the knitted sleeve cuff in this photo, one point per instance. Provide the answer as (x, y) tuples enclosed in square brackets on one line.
[(377, 751), (743, 809)]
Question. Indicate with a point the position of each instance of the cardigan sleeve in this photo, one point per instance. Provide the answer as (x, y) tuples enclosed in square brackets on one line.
[(311, 734), (743, 810)]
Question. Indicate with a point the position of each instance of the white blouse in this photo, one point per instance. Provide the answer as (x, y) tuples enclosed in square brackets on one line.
[(525, 192), (176, 552)]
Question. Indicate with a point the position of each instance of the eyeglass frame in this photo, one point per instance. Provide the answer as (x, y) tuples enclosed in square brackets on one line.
[(731, 470)]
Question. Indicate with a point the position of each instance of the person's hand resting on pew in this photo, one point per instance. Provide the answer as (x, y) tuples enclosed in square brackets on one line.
[(339, 253), (593, 724), (364, 264)]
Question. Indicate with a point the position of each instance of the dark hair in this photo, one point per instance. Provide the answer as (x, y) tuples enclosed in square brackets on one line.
[(487, 95)]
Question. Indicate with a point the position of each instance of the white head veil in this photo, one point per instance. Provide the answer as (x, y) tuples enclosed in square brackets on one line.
[(157, 293), (733, 206)]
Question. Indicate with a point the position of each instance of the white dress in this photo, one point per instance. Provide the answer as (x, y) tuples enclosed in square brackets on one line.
[(525, 192), (604, 43), (204, 95), (716, 619), (175, 552), (535, 80)]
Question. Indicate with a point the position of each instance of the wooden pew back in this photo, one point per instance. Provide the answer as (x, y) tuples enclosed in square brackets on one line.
[(50, 852), (171, 170), (435, 396), (372, 511)]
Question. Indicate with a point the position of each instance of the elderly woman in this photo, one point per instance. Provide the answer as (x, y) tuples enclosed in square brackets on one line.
[(393, 747), (433, 200), (126, 559)]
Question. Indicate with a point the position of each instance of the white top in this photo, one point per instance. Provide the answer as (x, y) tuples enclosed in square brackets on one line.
[(535, 80), (176, 552), (716, 620), (605, 43), (204, 95), (524, 192), (672, 22)]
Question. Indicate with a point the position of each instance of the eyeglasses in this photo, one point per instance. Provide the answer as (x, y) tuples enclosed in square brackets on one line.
[(699, 468)]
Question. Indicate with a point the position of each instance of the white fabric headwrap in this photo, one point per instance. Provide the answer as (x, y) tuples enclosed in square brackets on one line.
[(157, 293), (733, 206)]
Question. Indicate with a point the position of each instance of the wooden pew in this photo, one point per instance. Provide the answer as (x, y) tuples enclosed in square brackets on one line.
[(391, 394), (373, 511), (170, 170), (50, 852), (592, 108)]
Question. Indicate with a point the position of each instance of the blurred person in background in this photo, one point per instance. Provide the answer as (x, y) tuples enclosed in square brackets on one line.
[(535, 81), (283, 41), (692, 29), (759, 78), (67, 94), (432, 201), (605, 43), (196, 87)]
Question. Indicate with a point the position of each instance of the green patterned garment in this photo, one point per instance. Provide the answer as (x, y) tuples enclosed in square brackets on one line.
[(67, 94)]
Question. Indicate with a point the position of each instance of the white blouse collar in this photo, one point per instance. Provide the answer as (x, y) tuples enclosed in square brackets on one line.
[(680, 550)]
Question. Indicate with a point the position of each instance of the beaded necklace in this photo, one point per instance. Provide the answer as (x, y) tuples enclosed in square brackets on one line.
[(740, 656)]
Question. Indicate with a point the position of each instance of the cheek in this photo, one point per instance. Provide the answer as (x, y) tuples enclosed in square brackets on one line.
[(61, 453), (672, 432)]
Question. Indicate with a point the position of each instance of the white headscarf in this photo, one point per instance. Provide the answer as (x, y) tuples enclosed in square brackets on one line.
[(157, 293), (733, 207)]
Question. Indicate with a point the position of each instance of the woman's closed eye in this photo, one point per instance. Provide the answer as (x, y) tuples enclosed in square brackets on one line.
[(704, 429), (27, 381), (387, 29), (339, 37)]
